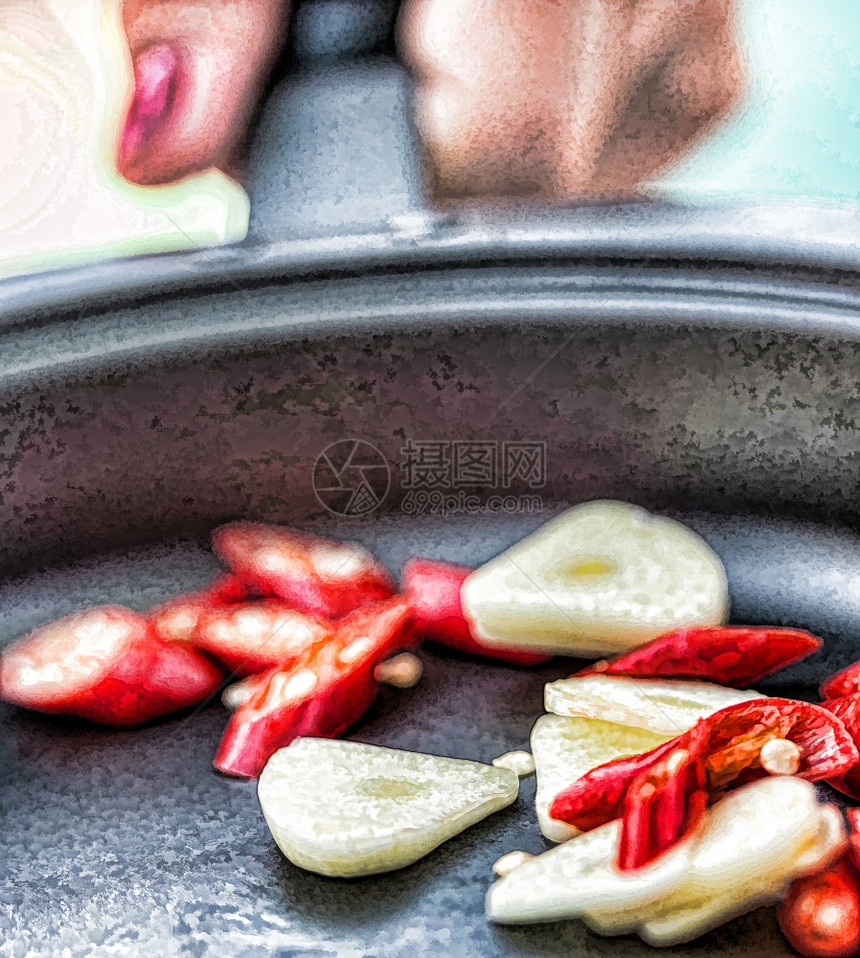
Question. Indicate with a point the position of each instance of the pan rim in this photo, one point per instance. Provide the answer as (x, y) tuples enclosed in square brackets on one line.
[(820, 239)]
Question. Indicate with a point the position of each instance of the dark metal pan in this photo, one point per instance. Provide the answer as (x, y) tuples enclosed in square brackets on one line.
[(703, 363)]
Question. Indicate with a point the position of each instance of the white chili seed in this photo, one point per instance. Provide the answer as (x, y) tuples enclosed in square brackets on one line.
[(780, 757), (507, 863), (402, 671), (519, 761)]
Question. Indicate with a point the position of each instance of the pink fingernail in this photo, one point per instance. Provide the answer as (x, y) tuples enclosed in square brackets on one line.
[(156, 73)]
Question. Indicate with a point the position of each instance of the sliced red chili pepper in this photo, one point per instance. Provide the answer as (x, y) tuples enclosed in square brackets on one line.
[(847, 709), (731, 655), (178, 619), (664, 802), (256, 636), (853, 817), (228, 589), (434, 588), (104, 664), (842, 683), (739, 732), (316, 575), (820, 915), (736, 736), (328, 689), (598, 796)]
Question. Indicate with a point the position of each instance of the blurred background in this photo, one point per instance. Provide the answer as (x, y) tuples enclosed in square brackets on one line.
[(128, 126)]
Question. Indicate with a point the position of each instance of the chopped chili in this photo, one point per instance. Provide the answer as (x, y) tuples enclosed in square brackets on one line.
[(730, 655), (325, 691), (315, 575)]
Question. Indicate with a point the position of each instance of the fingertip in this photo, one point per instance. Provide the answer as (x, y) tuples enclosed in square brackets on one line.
[(160, 86)]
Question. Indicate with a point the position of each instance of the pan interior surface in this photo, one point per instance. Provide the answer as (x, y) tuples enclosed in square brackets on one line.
[(129, 839)]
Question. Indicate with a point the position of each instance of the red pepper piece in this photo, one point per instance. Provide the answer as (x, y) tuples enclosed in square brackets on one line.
[(228, 589), (434, 588), (731, 655), (178, 619), (739, 731), (106, 665), (664, 802), (736, 735), (598, 796), (328, 689), (256, 636), (820, 915), (853, 817), (842, 683), (316, 575), (847, 709)]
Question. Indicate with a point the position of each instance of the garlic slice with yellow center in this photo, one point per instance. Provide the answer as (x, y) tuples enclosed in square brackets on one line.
[(346, 809), (601, 578)]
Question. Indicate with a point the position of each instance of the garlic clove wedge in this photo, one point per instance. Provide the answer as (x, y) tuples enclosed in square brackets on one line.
[(345, 809), (601, 578), (664, 706), (577, 876), (746, 851)]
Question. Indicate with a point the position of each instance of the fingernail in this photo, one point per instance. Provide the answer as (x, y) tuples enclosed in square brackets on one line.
[(156, 72)]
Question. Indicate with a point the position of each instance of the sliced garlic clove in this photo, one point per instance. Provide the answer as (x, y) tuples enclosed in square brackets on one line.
[(665, 706), (743, 854), (569, 880), (599, 579), (345, 809), (746, 850), (565, 749)]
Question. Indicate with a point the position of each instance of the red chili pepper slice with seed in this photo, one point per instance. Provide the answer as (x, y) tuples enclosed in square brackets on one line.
[(731, 655), (739, 732), (732, 756), (256, 636), (820, 915), (315, 575), (664, 802), (845, 682), (106, 665), (327, 690), (847, 709), (434, 588)]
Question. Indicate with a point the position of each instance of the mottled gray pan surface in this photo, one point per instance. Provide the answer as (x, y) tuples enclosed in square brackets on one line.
[(683, 359), (129, 843)]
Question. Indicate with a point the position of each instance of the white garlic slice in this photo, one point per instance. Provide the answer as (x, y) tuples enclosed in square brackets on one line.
[(743, 854), (346, 809), (601, 578), (665, 706), (577, 876)]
